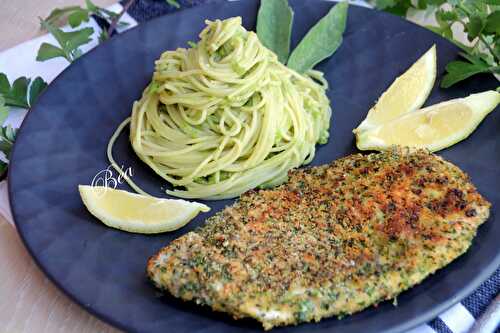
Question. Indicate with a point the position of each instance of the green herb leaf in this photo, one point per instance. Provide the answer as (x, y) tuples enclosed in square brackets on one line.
[(18, 92), (321, 41), (78, 17), (36, 87), (173, 3), (48, 51), (4, 110), (4, 83), (69, 43), (275, 37), (446, 15), (401, 8), (91, 6), (60, 13), (493, 23), (7, 138), (475, 26), (481, 22), (461, 70), (17, 95)]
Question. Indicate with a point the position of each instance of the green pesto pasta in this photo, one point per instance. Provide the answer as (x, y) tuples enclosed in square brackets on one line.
[(225, 116)]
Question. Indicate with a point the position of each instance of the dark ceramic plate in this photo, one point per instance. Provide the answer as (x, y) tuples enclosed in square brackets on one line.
[(63, 140)]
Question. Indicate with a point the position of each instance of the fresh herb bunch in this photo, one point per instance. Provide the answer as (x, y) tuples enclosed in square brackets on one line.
[(480, 20), (69, 42), (22, 93)]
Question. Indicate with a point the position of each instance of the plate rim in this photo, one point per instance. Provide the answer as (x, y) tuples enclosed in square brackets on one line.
[(422, 318)]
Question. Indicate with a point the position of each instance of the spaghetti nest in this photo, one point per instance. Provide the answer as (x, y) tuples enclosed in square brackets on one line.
[(225, 116)]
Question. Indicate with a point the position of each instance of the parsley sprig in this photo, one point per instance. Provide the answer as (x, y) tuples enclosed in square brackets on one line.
[(69, 42), (480, 20), (22, 93)]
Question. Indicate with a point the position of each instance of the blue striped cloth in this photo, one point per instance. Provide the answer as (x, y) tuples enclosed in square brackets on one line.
[(456, 320)]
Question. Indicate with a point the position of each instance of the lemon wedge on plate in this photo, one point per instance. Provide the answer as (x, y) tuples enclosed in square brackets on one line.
[(435, 127), (406, 94), (138, 213)]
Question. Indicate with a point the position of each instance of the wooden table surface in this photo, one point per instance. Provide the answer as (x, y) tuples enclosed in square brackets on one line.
[(29, 302), (19, 18)]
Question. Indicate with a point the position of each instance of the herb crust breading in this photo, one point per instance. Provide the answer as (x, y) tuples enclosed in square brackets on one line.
[(331, 241)]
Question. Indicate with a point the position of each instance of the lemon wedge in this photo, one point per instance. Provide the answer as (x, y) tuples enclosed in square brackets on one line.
[(406, 94), (138, 213), (435, 127)]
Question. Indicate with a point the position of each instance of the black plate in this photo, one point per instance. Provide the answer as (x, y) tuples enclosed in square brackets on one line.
[(62, 144)]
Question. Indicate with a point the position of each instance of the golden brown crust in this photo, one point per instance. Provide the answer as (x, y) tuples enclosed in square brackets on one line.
[(331, 241)]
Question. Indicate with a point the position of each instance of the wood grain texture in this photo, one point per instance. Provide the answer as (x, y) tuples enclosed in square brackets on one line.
[(29, 301), (19, 19)]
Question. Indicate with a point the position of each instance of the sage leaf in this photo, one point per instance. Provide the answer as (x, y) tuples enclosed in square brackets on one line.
[(274, 27), (321, 41)]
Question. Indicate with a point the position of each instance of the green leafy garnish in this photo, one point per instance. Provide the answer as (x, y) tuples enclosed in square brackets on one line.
[(69, 43), (21, 94), (4, 110), (76, 15), (321, 41), (7, 138), (480, 20), (461, 70), (59, 14), (36, 87), (275, 37)]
